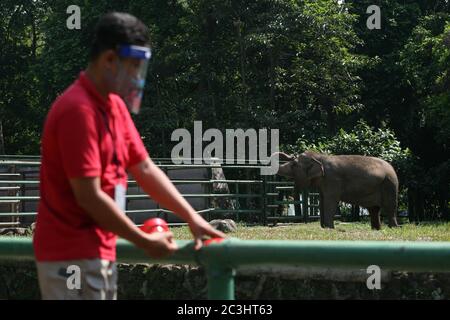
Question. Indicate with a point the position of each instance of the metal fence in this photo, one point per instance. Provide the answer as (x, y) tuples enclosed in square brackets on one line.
[(263, 199)]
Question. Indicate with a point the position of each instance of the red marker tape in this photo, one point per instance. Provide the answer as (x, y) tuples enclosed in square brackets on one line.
[(155, 225), (213, 240)]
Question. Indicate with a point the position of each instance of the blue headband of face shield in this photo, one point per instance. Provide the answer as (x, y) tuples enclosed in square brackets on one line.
[(138, 52), (131, 87)]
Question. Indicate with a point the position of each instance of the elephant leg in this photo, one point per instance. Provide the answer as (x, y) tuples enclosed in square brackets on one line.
[(389, 203), (393, 222), (329, 210), (389, 211), (375, 222)]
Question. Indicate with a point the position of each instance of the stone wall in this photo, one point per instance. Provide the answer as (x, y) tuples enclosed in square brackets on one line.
[(18, 281)]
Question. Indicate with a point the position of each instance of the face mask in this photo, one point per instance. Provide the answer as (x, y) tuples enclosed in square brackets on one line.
[(131, 73)]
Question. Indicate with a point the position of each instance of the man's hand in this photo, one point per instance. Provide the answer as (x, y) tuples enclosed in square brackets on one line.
[(159, 244), (104, 211), (200, 228), (156, 184)]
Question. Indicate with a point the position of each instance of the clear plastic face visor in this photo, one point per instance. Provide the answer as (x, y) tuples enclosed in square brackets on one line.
[(131, 79)]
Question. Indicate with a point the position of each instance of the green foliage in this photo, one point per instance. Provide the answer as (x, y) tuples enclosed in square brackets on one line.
[(426, 61), (20, 43), (362, 140), (308, 67)]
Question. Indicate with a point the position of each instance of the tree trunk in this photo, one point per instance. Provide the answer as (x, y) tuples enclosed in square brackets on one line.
[(2, 141), (34, 39), (445, 209), (355, 213), (411, 206), (163, 137), (331, 119), (420, 210), (272, 80), (238, 25), (444, 200), (242, 60), (210, 105), (164, 145), (212, 99)]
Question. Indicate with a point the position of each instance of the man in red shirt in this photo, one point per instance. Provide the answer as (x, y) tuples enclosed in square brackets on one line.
[(89, 144)]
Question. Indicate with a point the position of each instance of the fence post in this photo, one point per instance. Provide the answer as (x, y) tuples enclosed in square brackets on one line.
[(237, 201), (305, 206), (17, 207), (264, 200), (220, 282), (248, 188), (211, 201), (166, 171)]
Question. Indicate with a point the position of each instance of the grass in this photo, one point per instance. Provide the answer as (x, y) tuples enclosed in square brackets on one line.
[(342, 231), (427, 231)]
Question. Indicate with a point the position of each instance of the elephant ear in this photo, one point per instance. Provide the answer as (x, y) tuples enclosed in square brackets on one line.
[(313, 167)]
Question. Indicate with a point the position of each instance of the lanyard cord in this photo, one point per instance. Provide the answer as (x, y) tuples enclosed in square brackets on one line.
[(115, 158)]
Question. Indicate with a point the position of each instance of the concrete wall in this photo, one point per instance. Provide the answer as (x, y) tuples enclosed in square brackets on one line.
[(187, 188), (168, 282)]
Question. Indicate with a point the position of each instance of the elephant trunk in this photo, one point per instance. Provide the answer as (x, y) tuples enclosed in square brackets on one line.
[(283, 156)]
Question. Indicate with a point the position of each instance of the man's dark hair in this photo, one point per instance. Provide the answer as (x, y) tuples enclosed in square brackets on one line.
[(118, 28)]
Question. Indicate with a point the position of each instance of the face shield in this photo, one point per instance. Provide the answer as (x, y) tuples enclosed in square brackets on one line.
[(132, 70)]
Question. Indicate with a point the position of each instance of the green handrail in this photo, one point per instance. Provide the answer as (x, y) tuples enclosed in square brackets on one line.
[(172, 166), (212, 181), (144, 196), (221, 259), (19, 214)]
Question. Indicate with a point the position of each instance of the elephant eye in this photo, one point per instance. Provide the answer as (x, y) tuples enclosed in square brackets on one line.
[(294, 163)]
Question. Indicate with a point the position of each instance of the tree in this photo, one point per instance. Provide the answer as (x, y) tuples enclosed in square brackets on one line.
[(21, 41), (426, 63)]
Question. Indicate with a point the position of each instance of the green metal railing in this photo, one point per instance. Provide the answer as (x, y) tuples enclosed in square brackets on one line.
[(221, 259)]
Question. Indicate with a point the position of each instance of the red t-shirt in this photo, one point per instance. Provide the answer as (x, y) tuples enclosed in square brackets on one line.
[(77, 143)]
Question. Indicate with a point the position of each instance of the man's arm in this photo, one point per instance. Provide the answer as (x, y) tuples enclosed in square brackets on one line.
[(108, 216), (156, 184)]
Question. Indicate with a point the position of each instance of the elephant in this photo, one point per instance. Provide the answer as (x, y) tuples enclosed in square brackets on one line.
[(365, 181)]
